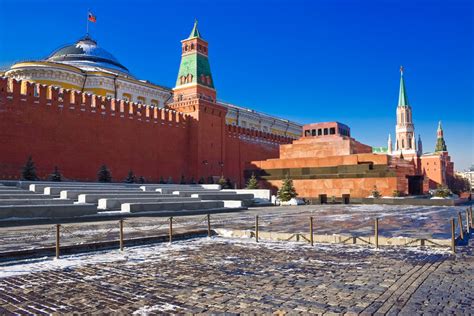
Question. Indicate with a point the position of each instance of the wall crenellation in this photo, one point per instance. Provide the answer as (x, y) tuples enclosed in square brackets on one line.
[(38, 94), (233, 130)]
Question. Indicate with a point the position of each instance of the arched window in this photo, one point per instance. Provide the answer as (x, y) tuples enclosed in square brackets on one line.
[(192, 46), (403, 143), (186, 47), (409, 142)]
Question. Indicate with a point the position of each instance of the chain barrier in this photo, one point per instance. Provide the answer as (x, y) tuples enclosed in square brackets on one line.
[(47, 233), (69, 230), (136, 227)]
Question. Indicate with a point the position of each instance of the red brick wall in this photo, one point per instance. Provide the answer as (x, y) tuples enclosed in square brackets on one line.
[(246, 145), (79, 132)]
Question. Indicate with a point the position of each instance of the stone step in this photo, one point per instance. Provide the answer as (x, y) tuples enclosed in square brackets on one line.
[(94, 197), (73, 194), (52, 211), (5, 188), (34, 201), (170, 206), (40, 187), (174, 189), (188, 193), (22, 196), (15, 191), (115, 203), (26, 184), (57, 190), (229, 196)]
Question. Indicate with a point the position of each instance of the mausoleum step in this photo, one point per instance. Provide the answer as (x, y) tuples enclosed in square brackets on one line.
[(170, 206), (73, 194), (116, 203), (22, 196), (223, 196), (94, 197), (50, 211), (34, 201)]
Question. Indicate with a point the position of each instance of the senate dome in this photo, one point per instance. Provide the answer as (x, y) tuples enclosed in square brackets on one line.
[(87, 55)]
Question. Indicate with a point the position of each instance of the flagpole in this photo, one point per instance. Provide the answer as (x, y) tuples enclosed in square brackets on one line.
[(87, 24)]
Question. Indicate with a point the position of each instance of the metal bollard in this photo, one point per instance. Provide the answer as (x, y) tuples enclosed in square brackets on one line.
[(376, 233), (468, 226), (256, 228), (453, 236), (121, 234), (471, 220), (208, 225), (171, 229), (311, 230), (461, 229), (57, 240)]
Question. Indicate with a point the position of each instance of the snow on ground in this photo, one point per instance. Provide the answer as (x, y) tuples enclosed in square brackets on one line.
[(179, 250), (146, 310)]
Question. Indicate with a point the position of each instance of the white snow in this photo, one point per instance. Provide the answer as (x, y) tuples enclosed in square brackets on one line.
[(146, 310)]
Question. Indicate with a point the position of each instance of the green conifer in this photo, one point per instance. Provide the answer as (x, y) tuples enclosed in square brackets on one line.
[(287, 190), (375, 193), (104, 175), (56, 175), (130, 177), (253, 183), (221, 182), (29, 170)]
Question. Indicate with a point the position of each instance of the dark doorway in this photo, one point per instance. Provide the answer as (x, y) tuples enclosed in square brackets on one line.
[(323, 199), (415, 185), (346, 198)]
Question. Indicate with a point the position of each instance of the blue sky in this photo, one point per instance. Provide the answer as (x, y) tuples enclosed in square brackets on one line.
[(308, 61)]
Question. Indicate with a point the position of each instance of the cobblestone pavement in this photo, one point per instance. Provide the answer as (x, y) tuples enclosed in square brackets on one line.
[(357, 220), (209, 275)]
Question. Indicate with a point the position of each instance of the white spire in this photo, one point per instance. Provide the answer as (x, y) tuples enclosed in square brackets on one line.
[(389, 144)]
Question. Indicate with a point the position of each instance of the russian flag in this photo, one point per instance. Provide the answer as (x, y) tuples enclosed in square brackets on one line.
[(91, 17)]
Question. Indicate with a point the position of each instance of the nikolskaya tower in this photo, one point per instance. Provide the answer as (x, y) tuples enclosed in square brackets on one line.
[(405, 139)]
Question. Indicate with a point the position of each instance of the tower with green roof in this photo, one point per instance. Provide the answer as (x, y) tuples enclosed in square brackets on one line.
[(194, 67), (405, 129), (195, 95), (440, 143)]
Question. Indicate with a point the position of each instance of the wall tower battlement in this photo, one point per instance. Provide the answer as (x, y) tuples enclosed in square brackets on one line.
[(19, 92)]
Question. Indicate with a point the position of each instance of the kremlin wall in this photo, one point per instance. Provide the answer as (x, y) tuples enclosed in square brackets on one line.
[(78, 132), (186, 131)]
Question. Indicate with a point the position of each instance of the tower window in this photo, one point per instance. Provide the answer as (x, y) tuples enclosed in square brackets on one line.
[(332, 131)]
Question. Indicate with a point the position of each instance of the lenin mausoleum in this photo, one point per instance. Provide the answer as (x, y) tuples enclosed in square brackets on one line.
[(81, 108)]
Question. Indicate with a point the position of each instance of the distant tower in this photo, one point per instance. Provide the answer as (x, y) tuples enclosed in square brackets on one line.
[(440, 143), (194, 94), (404, 129), (389, 145), (420, 146)]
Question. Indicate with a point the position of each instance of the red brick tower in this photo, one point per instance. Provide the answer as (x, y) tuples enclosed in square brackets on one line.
[(195, 95)]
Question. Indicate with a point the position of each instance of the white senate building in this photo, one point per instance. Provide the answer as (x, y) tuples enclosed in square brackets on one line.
[(85, 66)]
